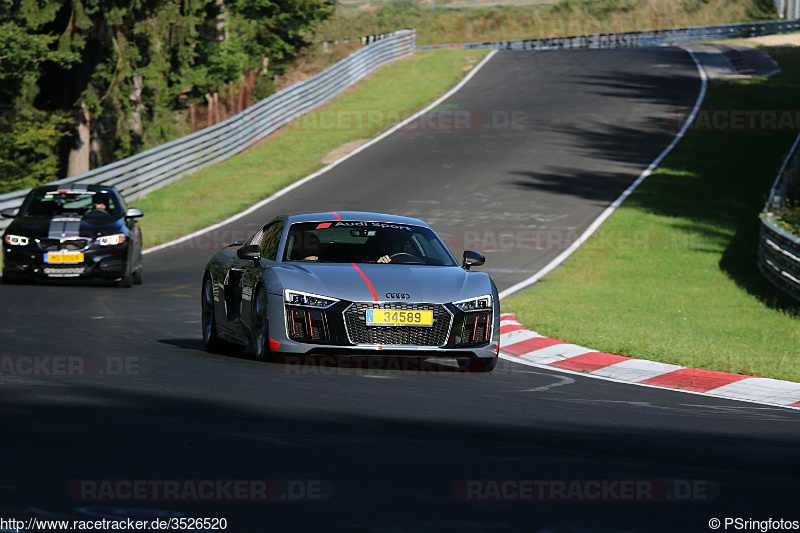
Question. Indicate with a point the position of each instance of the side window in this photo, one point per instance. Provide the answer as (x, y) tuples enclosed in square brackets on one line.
[(270, 240)]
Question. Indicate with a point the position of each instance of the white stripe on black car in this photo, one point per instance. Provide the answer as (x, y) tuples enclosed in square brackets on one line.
[(62, 227)]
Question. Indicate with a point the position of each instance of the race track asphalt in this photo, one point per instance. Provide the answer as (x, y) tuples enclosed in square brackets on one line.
[(551, 139)]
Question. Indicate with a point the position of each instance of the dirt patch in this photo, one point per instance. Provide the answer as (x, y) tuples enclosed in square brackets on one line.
[(788, 39), (471, 61), (342, 150)]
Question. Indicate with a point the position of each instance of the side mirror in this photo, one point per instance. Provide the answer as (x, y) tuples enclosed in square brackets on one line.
[(134, 212), (472, 259), (11, 212), (250, 252)]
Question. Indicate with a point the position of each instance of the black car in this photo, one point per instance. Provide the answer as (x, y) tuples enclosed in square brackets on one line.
[(73, 231)]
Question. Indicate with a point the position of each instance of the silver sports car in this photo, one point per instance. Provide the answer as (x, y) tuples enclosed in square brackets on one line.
[(350, 283)]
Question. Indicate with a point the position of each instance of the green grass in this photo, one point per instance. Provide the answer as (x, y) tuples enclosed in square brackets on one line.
[(788, 217), (297, 150), (459, 22), (671, 276)]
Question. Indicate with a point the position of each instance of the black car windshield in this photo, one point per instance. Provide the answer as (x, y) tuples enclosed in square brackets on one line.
[(92, 204), (365, 242)]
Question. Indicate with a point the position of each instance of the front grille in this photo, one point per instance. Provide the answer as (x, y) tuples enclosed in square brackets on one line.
[(359, 333), (64, 271), (67, 243)]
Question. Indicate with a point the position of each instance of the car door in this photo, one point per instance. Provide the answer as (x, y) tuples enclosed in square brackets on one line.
[(253, 272), (231, 275)]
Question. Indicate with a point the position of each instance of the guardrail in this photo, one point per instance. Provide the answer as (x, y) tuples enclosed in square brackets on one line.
[(147, 171), (779, 250), (638, 38), (788, 9)]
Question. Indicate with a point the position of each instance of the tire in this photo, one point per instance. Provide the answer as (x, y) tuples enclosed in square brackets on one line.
[(211, 341), (138, 273), (260, 327), (126, 280), (483, 365)]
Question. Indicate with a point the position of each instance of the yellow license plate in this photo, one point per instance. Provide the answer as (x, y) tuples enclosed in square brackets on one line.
[(394, 317), (63, 258)]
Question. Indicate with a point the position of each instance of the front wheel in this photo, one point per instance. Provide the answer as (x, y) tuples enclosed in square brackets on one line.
[(138, 273), (211, 341), (260, 327), (126, 280)]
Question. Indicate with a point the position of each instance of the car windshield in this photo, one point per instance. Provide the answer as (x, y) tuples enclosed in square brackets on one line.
[(97, 204), (365, 242)]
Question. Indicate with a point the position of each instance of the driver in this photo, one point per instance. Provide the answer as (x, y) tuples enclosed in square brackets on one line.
[(391, 243), (100, 206), (311, 247)]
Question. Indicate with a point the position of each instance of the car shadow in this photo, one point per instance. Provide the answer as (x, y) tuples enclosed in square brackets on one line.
[(61, 282), (333, 362), (367, 363)]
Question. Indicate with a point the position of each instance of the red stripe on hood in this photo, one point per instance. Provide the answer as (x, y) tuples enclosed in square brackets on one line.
[(366, 280)]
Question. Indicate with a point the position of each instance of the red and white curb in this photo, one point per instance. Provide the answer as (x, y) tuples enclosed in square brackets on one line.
[(737, 61), (519, 344)]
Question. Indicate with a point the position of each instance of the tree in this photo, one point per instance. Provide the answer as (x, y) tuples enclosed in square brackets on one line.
[(121, 69), (28, 138)]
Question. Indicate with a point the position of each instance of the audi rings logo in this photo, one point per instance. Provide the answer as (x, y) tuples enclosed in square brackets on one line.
[(397, 296)]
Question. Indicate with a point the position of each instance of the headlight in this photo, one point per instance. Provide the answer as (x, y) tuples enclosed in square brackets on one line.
[(17, 240), (111, 240), (306, 299), (481, 303)]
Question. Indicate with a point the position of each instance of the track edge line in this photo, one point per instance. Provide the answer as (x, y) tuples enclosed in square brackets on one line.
[(627, 192)]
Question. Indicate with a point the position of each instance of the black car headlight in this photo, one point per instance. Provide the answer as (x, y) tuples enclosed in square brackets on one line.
[(111, 240), (305, 299), (481, 303), (17, 240)]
